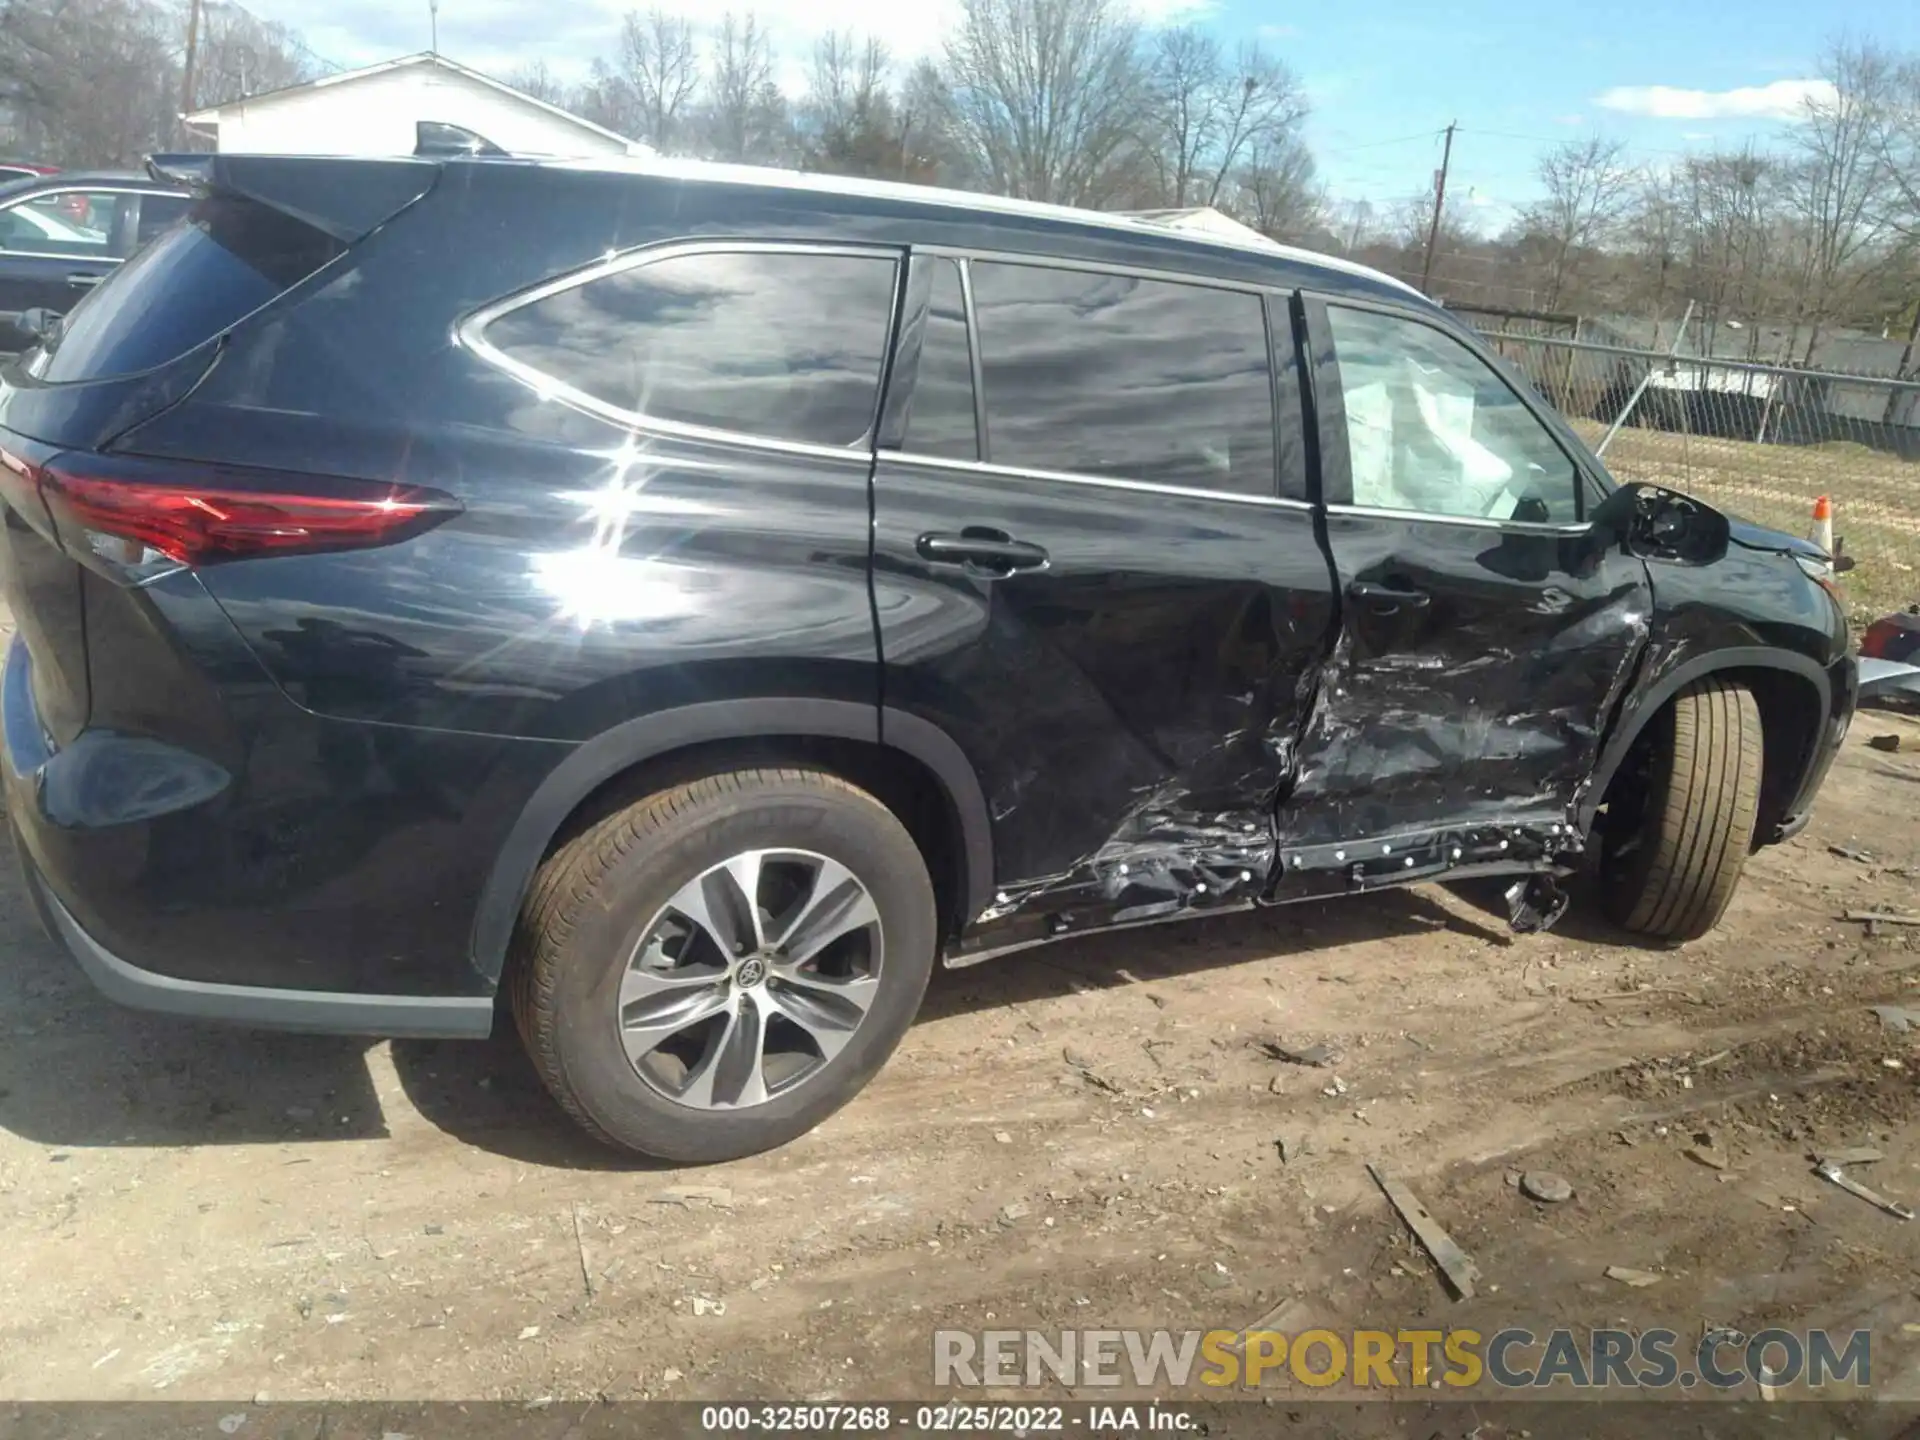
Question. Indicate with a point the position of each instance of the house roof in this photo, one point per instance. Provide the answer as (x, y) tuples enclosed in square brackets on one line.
[(211, 115)]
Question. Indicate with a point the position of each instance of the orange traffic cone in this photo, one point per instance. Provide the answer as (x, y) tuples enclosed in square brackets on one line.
[(1822, 533)]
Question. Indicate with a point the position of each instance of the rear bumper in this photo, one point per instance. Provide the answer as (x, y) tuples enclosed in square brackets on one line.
[(317, 876), (459, 1017)]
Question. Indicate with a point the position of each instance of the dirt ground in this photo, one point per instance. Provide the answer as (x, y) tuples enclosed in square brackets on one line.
[(1081, 1136)]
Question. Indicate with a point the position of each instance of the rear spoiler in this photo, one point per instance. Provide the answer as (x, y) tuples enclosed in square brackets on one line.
[(341, 196)]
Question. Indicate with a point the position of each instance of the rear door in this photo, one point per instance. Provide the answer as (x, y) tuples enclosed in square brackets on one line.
[(1095, 569), (55, 246), (1485, 633)]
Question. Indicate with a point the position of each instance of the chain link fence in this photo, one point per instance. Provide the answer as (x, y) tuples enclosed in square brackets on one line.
[(1759, 441)]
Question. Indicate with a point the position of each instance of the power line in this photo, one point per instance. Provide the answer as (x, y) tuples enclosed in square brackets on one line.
[(1378, 144)]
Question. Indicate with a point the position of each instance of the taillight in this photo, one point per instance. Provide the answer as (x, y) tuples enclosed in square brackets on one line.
[(135, 518)]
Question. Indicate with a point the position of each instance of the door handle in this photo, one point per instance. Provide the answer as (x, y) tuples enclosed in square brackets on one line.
[(981, 551), (1385, 599), (85, 281)]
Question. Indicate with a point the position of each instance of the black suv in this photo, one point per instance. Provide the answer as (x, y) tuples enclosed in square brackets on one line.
[(694, 600)]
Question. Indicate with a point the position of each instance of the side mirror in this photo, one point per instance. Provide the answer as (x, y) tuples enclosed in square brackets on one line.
[(1660, 524), (38, 322)]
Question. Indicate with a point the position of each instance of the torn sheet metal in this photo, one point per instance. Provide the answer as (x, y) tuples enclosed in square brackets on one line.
[(1165, 863), (1438, 744)]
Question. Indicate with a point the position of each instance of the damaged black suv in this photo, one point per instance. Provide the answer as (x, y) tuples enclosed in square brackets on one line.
[(691, 602)]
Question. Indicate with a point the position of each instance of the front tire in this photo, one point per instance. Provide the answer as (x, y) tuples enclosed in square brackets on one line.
[(716, 969), (1671, 868)]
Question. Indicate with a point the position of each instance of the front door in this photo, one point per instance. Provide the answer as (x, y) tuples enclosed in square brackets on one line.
[(1485, 635), (1095, 569)]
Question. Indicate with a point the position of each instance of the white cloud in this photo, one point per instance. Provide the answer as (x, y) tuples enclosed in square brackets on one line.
[(1782, 100)]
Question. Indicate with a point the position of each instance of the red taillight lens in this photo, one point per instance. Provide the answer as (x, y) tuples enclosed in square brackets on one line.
[(201, 524)]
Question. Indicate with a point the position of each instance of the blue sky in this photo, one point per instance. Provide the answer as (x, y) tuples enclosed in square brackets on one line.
[(1520, 78), (1384, 75)]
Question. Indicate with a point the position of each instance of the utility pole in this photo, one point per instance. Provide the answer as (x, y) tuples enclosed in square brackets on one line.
[(186, 76), (433, 27), (1439, 204)]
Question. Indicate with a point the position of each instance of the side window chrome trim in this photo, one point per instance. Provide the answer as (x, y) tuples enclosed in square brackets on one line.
[(1016, 472), (1481, 522), (1052, 261), (470, 334)]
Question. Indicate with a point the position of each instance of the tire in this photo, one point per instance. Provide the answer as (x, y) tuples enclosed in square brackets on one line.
[(605, 891), (1673, 868)]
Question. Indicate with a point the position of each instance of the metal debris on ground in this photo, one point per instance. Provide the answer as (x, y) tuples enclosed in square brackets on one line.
[(1827, 1170), (1545, 1186), (1880, 917), (1627, 1275), (1455, 1264), (1318, 1056), (1884, 742), (1857, 1155), (1847, 852), (1897, 1018)]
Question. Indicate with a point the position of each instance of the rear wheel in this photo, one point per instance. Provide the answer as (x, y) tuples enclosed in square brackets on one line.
[(1681, 814), (718, 968)]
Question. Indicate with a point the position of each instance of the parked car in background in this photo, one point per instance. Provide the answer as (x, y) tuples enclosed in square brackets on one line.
[(62, 234), (11, 170), (695, 600)]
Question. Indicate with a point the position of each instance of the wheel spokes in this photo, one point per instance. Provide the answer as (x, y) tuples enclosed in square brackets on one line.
[(655, 1008), (722, 904), (828, 1010), (732, 1070), (740, 987), (837, 904)]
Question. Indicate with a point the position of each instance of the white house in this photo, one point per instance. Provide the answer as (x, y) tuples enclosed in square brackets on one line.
[(373, 111)]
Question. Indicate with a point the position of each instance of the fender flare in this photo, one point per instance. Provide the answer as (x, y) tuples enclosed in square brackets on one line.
[(615, 751), (1654, 699)]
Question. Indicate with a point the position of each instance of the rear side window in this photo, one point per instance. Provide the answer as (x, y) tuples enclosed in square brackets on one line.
[(1123, 377), (941, 420), (783, 345), (192, 282)]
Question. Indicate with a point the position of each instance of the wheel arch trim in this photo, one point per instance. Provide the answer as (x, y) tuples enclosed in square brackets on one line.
[(633, 742), (1654, 699)]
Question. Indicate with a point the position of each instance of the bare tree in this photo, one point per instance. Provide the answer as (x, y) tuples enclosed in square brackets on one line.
[(662, 68), (537, 80), (851, 124), (1834, 184), (1587, 189), (1275, 190), (88, 82), (1046, 95), (1209, 110), (746, 115)]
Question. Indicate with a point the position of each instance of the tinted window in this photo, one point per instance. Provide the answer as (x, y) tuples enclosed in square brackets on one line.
[(1116, 376), (1431, 427), (190, 284), (941, 420), (157, 212), (786, 346)]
